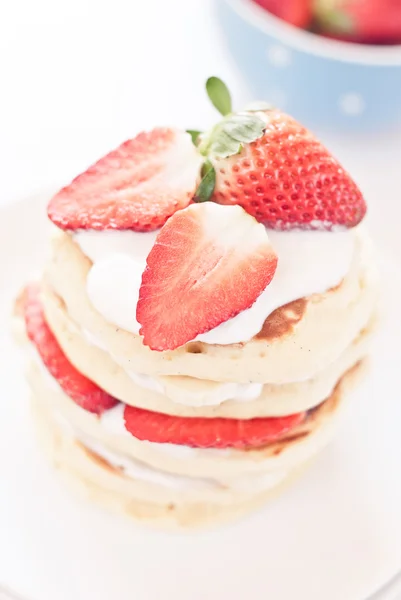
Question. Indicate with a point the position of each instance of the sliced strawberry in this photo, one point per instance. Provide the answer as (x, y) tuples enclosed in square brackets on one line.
[(78, 387), (137, 186), (208, 264), (207, 433), (287, 179)]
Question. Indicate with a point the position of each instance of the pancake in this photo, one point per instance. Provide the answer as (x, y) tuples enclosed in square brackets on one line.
[(226, 465), (273, 400), (103, 485), (280, 356)]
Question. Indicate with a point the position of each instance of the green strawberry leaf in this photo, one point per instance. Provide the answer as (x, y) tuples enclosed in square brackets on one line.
[(223, 145), (244, 127), (333, 19), (219, 95), (228, 136), (194, 135), (207, 184), (339, 22)]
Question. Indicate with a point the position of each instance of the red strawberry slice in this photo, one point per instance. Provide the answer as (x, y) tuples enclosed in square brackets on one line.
[(137, 186), (78, 387), (208, 264), (287, 179), (207, 433)]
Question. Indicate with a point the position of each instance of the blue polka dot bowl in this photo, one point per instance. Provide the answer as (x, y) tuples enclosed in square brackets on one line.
[(322, 82)]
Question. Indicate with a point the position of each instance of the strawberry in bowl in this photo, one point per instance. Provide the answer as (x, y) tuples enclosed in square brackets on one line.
[(295, 12), (358, 21)]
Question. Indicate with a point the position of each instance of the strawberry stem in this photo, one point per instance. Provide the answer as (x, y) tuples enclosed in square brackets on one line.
[(206, 187), (219, 95), (194, 135)]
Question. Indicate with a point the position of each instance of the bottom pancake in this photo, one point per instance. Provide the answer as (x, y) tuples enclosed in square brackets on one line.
[(168, 499), (110, 488)]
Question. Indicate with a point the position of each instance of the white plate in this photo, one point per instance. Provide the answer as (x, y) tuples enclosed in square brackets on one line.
[(336, 535)]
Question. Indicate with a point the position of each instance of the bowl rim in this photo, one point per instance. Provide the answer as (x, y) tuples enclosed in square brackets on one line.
[(312, 43)]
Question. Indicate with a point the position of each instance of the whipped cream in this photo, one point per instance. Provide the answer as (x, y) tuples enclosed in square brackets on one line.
[(119, 259), (221, 392), (217, 394), (134, 469), (309, 262), (147, 382)]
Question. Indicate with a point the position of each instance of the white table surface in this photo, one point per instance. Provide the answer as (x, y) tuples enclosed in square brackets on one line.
[(79, 76)]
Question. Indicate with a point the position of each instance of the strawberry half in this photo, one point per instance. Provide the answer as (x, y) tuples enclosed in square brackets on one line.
[(208, 264), (78, 387), (274, 168), (207, 433), (137, 186)]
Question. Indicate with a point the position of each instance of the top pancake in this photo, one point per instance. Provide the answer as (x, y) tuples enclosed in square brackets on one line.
[(296, 342)]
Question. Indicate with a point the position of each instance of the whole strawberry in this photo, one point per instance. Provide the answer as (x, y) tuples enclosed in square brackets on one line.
[(367, 21), (274, 168), (296, 12)]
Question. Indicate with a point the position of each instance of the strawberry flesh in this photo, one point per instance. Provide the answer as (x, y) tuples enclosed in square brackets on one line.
[(206, 432), (208, 264), (79, 388), (138, 186)]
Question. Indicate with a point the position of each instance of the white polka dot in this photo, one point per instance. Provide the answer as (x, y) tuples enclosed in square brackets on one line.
[(279, 56), (351, 104)]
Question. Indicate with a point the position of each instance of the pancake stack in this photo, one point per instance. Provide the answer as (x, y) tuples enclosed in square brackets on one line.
[(199, 432)]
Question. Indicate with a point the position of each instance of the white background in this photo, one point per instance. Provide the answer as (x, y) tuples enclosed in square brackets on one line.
[(79, 76)]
